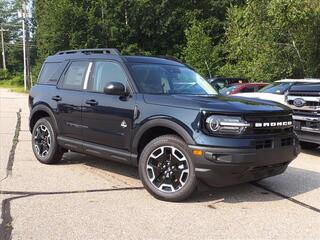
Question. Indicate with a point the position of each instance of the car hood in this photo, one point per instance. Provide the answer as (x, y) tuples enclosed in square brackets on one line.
[(265, 96), (218, 103)]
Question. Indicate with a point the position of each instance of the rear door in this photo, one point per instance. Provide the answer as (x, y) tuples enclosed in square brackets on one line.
[(69, 97), (108, 119)]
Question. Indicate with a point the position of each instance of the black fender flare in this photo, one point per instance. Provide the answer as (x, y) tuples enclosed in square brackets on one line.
[(161, 123), (48, 110)]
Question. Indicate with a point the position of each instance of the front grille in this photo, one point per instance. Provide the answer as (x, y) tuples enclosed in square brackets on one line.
[(252, 119), (304, 94), (308, 103), (308, 124), (306, 113), (274, 143), (263, 144)]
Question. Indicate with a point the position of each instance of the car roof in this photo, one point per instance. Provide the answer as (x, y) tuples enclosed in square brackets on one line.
[(305, 80)]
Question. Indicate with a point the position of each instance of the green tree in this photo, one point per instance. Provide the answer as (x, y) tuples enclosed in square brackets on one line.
[(272, 39), (199, 52)]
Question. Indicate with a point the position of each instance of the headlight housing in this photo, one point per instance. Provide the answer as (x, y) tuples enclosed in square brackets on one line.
[(219, 124)]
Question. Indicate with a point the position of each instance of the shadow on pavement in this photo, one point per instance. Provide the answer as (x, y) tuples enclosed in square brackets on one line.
[(102, 164), (293, 182), (314, 152)]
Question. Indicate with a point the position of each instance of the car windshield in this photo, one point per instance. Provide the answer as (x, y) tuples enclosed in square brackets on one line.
[(277, 88), (170, 79), (227, 90)]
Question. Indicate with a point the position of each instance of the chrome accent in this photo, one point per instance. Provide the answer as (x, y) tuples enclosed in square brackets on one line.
[(304, 118), (308, 99), (234, 124), (307, 129), (306, 108), (85, 85)]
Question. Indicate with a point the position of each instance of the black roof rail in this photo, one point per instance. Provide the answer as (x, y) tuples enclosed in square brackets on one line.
[(90, 51)]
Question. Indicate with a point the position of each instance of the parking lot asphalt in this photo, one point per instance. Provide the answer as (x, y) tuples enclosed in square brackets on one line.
[(85, 197)]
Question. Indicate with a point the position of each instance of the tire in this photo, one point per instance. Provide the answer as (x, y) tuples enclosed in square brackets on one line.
[(309, 145), (167, 161), (44, 142)]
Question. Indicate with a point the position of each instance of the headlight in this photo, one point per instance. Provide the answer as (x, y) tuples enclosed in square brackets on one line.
[(219, 124)]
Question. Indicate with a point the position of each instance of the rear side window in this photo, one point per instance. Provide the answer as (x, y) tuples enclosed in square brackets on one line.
[(51, 72), (75, 75)]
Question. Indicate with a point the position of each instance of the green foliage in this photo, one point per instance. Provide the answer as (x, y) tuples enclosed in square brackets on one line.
[(272, 39), (4, 74), (148, 27), (200, 53)]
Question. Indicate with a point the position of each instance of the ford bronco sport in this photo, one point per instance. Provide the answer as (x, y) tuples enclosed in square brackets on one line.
[(159, 115)]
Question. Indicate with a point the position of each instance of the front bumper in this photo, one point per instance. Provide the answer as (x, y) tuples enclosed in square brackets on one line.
[(306, 136), (229, 166)]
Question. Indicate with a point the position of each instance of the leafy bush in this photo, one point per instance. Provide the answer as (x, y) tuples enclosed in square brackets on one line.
[(4, 74)]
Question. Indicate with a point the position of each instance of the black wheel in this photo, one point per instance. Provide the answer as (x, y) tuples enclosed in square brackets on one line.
[(44, 142), (166, 169), (309, 145)]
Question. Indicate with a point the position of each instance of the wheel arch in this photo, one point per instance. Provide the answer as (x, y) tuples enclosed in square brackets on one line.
[(156, 128), (41, 111)]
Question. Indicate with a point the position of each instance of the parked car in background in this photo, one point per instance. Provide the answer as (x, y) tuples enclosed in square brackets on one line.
[(277, 90), (220, 83), (243, 88), (304, 99)]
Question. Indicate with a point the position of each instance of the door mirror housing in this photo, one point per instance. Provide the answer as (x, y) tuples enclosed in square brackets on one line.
[(115, 88)]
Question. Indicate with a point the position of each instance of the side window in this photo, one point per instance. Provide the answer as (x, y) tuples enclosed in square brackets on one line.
[(247, 89), (105, 72), (51, 72), (75, 75)]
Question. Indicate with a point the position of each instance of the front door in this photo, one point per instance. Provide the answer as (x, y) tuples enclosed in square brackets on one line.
[(107, 119)]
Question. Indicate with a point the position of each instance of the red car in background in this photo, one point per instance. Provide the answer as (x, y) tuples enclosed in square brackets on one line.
[(242, 88)]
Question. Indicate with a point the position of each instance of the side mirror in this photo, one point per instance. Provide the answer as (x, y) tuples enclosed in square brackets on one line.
[(115, 88)]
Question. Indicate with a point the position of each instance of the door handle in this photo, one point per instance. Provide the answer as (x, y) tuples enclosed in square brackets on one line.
[(92, 102), (56, 98)]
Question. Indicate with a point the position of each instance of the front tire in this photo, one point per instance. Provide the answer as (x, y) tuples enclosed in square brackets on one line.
[(166, 169), (44, 142)]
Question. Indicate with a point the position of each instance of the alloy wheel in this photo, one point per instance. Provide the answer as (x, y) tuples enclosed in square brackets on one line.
[(167, 169), (42, 141)]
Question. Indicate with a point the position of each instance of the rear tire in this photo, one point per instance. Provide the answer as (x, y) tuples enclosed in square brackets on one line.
[(166, 169), (309, 145), (44, 142)]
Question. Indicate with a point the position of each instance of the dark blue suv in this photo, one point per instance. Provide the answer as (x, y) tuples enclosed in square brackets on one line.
[(159, 115)]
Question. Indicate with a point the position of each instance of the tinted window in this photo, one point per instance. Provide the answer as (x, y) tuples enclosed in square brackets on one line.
[(276, 88), (75, 75), (105, 72), (51, 72), (170, 79), (228, 90), (247, 89)]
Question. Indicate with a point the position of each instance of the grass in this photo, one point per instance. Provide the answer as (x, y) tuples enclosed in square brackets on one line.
[(14, 84)]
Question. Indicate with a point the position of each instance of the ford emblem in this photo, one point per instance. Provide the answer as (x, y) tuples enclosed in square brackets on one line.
[(299, 102)]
